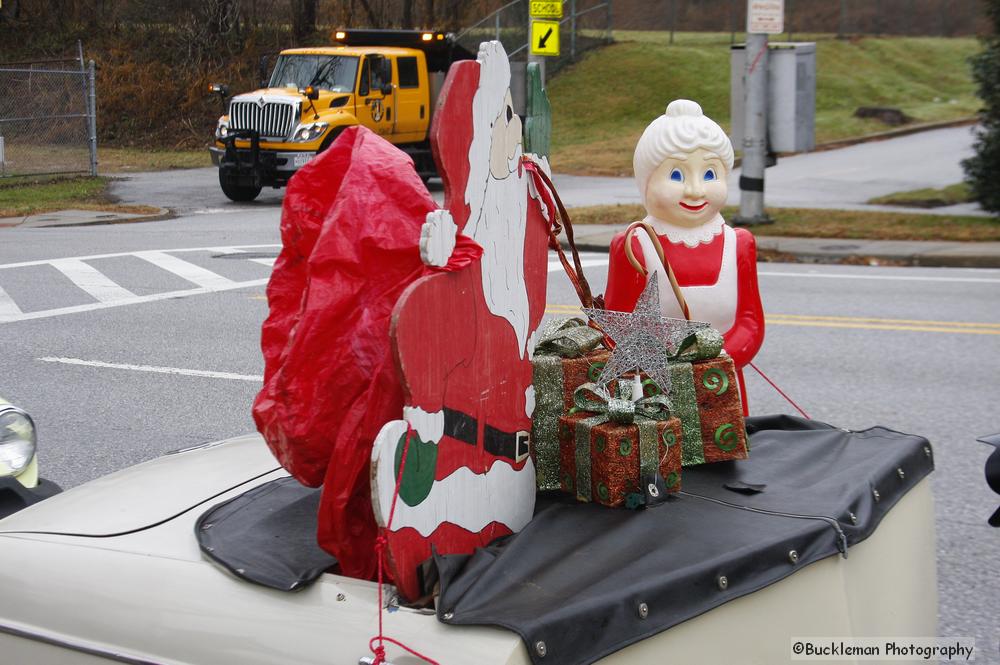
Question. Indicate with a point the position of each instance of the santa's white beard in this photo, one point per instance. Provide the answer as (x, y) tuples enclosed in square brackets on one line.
[(499, 229)]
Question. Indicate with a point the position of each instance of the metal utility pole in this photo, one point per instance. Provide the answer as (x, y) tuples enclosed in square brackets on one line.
[(572, 30), (92, 117), (673, 19), (754, 132), (533, 58)]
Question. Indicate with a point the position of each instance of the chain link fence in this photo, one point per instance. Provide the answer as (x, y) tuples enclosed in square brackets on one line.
[(690, 20), (47, 118), (589, 23), (585, 24)]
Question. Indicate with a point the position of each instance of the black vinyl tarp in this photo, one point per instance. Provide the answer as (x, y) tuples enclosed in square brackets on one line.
[(585, 580)]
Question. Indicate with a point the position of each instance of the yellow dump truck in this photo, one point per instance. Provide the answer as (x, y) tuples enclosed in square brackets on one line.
[(386, 80)]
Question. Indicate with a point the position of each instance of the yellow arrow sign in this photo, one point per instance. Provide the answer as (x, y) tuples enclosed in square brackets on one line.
[(545, 37), (545, 9)]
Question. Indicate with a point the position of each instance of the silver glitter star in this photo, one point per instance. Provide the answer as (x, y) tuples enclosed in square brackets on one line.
[(644, 338)]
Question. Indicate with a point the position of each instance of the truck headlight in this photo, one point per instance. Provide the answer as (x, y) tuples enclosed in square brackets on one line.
[(17, 440), (310, 132), (222, 128)]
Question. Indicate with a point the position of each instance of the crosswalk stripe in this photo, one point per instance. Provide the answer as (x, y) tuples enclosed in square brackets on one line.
[(91, 280), (137, 300), (556, 266), (196, 274), (179, 250), (265, 262), (7, 306)]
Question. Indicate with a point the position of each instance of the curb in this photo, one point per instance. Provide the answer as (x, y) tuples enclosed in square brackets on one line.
[(889, 134), (127, 218), (880, 136)]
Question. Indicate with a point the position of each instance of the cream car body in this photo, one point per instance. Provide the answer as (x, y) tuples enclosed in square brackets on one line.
[(111, 571)]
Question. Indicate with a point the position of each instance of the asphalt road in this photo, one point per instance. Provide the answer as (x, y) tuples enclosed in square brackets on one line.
[(844, 178)]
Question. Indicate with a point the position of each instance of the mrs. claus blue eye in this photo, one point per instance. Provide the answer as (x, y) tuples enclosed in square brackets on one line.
[(709, 175), (676, 175)]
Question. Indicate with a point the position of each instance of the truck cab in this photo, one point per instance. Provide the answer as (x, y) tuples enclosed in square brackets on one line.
[(385, 80)]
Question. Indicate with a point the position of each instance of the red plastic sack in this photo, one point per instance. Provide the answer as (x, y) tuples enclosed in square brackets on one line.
[(350, 232)]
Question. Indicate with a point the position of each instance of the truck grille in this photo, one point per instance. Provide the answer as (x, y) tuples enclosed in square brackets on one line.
[(272, 119)]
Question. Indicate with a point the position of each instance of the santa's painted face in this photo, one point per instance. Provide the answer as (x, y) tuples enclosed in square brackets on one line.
[(498, 215), (687, 189), (505, 139)]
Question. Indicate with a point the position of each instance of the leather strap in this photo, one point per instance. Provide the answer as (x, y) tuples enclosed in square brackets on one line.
[(576, 276)]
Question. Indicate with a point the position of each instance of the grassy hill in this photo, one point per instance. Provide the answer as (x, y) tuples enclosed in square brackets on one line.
[(602, 103)]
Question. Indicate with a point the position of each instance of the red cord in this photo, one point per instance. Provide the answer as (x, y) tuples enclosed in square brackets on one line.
[(380, 545), (781, 392)]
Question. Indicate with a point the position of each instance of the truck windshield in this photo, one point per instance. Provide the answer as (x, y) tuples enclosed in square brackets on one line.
[(326, 72)]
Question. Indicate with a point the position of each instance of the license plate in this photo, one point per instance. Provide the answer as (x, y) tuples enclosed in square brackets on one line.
[(301, 159)]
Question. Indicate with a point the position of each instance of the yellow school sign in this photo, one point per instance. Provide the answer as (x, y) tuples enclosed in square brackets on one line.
[(545, 9), (544, 37)]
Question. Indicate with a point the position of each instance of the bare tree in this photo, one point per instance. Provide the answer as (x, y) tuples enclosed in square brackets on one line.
[(11, 11), (374, 17), (303, 18)]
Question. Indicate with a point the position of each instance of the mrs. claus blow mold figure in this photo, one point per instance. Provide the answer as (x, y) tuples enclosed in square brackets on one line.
[(682, 163)]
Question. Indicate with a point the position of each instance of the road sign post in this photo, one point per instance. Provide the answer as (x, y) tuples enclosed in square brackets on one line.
[(763, 17), (543, 32), (544, 37), (545, 9)]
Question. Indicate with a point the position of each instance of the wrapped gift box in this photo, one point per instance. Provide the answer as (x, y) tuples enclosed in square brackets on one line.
[(565, 358), (611, 464), (705, 397)]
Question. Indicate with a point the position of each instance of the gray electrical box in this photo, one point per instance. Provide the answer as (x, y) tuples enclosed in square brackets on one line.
[(791, 98)]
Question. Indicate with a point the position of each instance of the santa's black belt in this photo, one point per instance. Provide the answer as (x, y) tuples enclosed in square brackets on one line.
[(463, 427)]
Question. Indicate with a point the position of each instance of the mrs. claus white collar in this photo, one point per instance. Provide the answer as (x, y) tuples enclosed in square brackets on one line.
[(689, 236)]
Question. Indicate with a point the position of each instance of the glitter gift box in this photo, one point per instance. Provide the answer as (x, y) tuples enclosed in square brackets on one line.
[(613, 464), (705, 397), (564, 359)]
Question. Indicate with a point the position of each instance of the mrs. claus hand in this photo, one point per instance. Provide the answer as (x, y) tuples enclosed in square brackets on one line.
[(437, 238)]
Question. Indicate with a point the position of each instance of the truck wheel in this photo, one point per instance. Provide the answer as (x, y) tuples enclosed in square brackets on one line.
[(235, 192)]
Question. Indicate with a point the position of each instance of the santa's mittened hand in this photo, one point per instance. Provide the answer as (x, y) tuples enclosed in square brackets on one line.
[(437, 238), (429, 425)]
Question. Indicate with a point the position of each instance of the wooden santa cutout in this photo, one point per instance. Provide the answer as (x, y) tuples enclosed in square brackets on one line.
[(463, 339)]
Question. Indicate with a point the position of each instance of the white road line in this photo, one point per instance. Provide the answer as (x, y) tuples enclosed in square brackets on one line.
[(212, 248), (265, 262), (92, 280), (555, 266), (901, 278), (7, 305), (156, 370), (62, 311), (196, 274), (586, 263)]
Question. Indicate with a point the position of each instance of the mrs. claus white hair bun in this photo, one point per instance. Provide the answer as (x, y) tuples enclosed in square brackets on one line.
[(680, 107), (682, 128)]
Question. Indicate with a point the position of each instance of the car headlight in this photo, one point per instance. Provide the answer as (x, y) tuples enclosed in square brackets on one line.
[(310, 132), (17, 440), (222, 129)]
